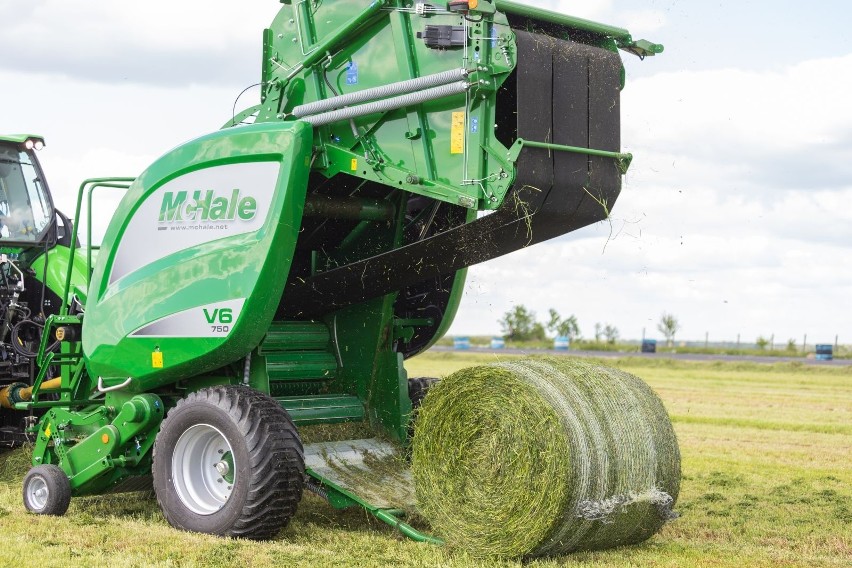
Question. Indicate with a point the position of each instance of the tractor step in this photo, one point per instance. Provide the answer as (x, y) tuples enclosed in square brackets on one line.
[(323, 409)]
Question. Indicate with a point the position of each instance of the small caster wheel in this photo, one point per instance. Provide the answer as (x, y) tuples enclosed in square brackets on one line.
[(47, 490)]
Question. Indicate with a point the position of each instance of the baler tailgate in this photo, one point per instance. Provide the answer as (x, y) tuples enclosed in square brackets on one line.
[(564, 99)]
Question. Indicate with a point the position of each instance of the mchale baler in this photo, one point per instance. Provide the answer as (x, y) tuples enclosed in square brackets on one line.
[(278, 272)]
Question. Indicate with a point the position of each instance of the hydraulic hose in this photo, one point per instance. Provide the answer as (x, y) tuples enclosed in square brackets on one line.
[(18, 345)]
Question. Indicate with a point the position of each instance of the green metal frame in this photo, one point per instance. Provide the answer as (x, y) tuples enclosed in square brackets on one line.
[(623, 160)]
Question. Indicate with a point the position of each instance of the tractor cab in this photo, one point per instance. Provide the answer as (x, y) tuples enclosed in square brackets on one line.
[(26, 209), (35, 260)]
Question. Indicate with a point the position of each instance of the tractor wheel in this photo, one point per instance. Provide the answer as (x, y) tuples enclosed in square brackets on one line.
[(47, 490), (417, 389), (228, 461)]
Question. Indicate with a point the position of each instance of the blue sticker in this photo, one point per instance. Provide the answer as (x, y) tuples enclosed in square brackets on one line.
[(493, 37), (352, 74), (474, 125)]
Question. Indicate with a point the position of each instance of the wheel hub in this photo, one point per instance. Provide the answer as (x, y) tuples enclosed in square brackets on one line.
[(38, 493), (223, 468), (203, 469)]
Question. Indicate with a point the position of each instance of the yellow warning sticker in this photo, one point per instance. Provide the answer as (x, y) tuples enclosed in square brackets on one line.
[(354, 165), (47, 431), (157, 359), (457, 134)]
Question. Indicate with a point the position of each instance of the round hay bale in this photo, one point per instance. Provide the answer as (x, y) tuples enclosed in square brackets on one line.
[(543, 457)]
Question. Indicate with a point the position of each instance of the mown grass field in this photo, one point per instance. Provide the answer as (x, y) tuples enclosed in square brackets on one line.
[(767, 481)]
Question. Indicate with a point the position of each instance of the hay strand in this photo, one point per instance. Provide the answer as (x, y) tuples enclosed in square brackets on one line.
[(543, 457)]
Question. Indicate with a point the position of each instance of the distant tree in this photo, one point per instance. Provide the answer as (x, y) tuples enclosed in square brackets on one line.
[(668, 326), (761, 342), (518, 324), (611, 334), (598, 332), (567, 327), (791, 345)]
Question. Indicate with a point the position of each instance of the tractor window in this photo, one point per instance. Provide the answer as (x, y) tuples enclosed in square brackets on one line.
[(25, 210)]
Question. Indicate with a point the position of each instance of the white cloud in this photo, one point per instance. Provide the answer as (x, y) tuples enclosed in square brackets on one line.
[(642, 22), (97, 130), (734, 215), (184, 42), (774, 129), (589, 9)]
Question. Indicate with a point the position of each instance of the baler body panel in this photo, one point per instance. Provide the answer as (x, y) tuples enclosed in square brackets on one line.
[(196, 256)]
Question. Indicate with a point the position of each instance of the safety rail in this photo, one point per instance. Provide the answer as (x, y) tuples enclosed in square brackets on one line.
[(91, 184)]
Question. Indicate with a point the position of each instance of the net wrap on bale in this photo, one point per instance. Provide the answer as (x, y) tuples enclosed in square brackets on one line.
[(543, 457)]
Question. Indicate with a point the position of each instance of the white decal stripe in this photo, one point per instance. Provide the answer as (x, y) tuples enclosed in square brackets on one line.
[(211, 320)]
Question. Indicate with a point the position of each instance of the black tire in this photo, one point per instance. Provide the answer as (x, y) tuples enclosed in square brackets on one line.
[(256, 492), (47, 490), (417, 389)]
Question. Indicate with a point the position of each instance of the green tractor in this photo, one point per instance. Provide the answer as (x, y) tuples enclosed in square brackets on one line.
[(277, 273), (35, 253)]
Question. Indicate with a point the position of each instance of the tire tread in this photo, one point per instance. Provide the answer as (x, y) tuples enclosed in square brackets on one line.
[(276, 459)]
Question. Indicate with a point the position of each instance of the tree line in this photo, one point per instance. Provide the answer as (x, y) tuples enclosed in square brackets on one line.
[(521, 324)]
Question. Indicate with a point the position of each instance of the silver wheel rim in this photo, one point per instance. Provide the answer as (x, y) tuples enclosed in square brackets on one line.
[(203, 469), (38, 493)]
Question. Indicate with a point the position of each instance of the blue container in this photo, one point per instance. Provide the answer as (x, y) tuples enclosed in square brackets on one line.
[(649, 346), (561, 343), (461, 343), (825, 352), (498, 343)]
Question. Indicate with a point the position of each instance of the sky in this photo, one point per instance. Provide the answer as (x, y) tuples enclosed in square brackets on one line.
[(735, 215)]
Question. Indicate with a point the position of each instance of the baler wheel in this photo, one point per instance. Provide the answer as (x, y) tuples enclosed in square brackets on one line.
[(47, 490), (228, 461), (417, 389)]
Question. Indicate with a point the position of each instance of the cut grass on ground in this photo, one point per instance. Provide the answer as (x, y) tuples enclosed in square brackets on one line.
[(767, 481)]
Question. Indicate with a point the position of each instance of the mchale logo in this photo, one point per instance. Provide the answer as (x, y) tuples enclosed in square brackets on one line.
[(176, 207)]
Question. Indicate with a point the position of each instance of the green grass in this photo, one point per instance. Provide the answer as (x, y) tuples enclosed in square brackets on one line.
[(767, 463)]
